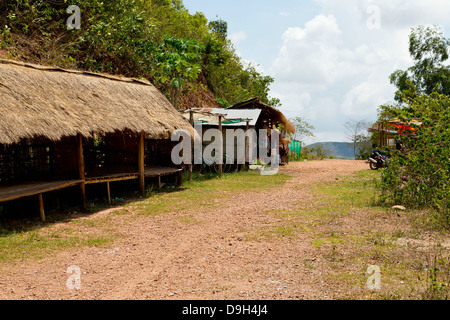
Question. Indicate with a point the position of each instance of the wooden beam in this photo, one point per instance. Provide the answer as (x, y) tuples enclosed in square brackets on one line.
[(81, 172), (41, 207), (141, 162)]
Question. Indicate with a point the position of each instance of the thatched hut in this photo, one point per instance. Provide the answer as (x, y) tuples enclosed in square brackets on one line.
[(270, 118), (250, 114), (63, 128)]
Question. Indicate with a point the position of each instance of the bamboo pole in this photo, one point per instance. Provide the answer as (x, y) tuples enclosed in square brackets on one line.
[(141, 159), (108, 189), (247, 146), (41, 207), (81, 171), (190, 168), (159, 183), (220, 148)]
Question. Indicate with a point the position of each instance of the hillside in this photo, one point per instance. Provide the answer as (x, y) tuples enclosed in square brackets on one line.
[(339, 150), (190, 59)]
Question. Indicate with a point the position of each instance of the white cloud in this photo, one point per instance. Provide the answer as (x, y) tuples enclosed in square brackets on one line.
[(341, 65), (237, 37), (309, 54)]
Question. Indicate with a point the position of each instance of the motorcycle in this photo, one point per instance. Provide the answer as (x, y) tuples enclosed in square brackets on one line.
[(378, 160)]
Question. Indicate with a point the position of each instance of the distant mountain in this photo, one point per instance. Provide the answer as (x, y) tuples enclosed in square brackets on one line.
[(340, 150)]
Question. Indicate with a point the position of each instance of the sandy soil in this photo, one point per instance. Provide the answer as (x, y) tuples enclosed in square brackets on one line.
[(160, 258)]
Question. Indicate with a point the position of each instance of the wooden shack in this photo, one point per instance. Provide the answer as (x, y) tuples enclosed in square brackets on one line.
[(64, 128), (251, 114)]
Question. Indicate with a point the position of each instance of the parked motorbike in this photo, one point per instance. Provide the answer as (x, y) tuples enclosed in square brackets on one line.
[(378, 160)]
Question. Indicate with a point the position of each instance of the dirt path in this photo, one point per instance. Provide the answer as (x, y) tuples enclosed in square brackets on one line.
[(210, 258)]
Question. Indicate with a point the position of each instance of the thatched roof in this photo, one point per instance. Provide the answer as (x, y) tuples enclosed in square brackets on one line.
[(267, 111), (52, 102)]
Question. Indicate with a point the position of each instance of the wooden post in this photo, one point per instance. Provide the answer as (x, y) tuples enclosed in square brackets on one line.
[(109, 192), (180, 173), (41, 207), (190, 168), (247, 146), (81, 171), (141, 160), (220, 148), (159, 182)]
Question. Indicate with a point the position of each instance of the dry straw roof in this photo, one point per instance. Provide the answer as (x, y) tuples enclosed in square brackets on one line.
[(52, 102), (268, 111)]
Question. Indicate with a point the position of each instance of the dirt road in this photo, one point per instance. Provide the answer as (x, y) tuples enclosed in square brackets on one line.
[(212, 257)]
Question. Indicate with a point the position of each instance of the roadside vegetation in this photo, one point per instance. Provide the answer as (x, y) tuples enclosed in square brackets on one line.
[(350, 231), (418, 176), (185, 55)]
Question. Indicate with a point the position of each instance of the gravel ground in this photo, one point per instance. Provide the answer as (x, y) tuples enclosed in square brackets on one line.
[(162, 259)]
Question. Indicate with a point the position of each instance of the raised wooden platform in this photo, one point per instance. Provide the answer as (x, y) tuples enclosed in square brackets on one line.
[(33, 188), (111, 177), (160, 171), (14, 192), (149, 172)]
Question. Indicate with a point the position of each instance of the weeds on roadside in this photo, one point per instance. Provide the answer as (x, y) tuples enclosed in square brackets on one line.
[(438, 277)]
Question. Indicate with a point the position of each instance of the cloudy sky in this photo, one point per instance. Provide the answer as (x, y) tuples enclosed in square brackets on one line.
[(331, 59)]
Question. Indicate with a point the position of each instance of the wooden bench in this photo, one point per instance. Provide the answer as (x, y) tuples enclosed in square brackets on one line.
[(14, 192), (149, 172), (28, 189)]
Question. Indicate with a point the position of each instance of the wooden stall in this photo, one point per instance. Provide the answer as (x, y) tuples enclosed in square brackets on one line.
[(251, 114), (65, 129)]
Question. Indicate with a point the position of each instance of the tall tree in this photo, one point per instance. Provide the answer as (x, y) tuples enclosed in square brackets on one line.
[(356, 132), (429, 49), (303, 129)]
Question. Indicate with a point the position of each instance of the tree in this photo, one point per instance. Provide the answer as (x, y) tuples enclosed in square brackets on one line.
[(419, 178), (220, 28), (356, 133), (364, 146), (429, 50), (303, 129), (178, 61)]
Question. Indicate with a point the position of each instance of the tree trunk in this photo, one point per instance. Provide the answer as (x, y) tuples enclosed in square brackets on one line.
[(175, 94)]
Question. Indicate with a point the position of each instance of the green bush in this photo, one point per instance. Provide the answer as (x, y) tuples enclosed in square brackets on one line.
[(420, 177)]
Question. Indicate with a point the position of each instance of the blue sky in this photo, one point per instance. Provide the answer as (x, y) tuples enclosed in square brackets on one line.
[(330, 59)]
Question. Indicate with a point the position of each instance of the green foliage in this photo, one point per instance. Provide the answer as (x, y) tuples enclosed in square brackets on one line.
[(128, 37), (420, 178), (303, 129), (220, 28), (317, 152), (364, 143), (177, 61), (429, 50)]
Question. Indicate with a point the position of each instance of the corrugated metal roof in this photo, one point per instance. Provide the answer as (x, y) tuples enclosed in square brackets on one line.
[(237, 117)]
